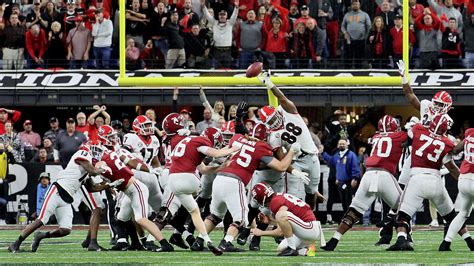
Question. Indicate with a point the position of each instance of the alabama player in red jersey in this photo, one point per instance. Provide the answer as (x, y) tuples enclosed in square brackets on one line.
[(378, 180), (466, 193), (431, 149), (228, 189), (295, 220), (59, 197), (136, 202), (288, 127), (183, 180)]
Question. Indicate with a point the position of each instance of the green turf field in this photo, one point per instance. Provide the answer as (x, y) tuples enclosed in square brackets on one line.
[(355, 247)]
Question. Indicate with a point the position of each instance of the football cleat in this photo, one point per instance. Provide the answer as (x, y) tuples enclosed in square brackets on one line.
[(278, 239), (288, 252), (190, 240), (96, 247), (255, 243), (14, 247), (36, 241), (198, 245), (228, 247), (136, 247), (243, 236), (382, 242), (331, 244), (445, 246), (149, 245), (401, 245), (214, 250), (120, 246), (164, 248), (85, 243), (177, 240), (470, 244)]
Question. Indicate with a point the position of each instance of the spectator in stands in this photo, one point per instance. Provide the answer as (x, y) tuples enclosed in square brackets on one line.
[(378, 42), (317, 43), (222, 34), (11, 139), (261, 12), (50, 15), (300, 47), (386, 14), (333, 27), (5, 116), (55, 129), (176, 54), (249, 39), (126, 125), (30, 140), (447, 11), (48, 146), (68, 143), (249, 124), (219, 108), (450, 50), (6, 158), (232, 112), (158, 17), (469, 40), (197, 47), (186, 114), (35, 47), (102, 31), (43, 156), (415, 9), (294, 13), (221, 123), (207, 122), (246, 6), (313, 131), (355, 27), (44, 182), (396, 37), (95, 121), (25, 7), (68, 16), (304, 10), (133, 55), (79, 40), (35, 18), (2, 14), (118, 127), (187, 17), (428, 27), (56, 52), (13, 37), (274, 45), (347, 171), (136, 21), (16, 10), (82, 125)]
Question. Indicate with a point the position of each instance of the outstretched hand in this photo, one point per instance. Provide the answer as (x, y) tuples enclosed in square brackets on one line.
[(241, 111)]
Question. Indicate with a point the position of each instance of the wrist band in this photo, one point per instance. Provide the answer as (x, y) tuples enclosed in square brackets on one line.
[(139, 166)]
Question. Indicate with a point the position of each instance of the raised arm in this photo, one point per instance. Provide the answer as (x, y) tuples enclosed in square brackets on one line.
[(211, 152), (287, 105), (91, 118), (407, 90)]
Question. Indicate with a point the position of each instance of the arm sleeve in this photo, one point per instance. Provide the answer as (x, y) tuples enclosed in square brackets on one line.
[(355, 167), (233, 18), (208, 16), (95, 29), (203, 149)]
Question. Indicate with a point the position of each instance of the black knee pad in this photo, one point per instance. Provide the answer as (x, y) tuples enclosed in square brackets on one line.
[(253, 213), (214, 219), (351, 217), (403, 220), (450, 216), (163, 216)]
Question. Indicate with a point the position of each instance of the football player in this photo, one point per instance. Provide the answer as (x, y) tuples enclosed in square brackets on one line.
[(466, 192), (295, 220), (59, 197), (228, 189), (379, 179), (431, 149), (287, 127), (136, 202)]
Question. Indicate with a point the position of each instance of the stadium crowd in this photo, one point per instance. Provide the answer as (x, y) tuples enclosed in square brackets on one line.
[(75, 34)]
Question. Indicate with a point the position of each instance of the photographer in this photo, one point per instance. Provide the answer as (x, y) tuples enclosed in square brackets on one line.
[(6, 157), (102, 31)]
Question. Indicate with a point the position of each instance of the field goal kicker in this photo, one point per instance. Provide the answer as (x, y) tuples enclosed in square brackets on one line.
[(125, 81)]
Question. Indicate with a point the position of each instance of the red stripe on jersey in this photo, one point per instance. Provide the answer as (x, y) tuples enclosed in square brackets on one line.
[(92, 200), (49, 194)]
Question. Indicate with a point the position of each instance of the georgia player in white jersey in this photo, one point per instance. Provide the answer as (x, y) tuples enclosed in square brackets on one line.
[(59, 197), (144, 145), (287, 127), (466, 192)]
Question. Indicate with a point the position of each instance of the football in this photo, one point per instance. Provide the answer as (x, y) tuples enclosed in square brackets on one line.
[(254, 70)]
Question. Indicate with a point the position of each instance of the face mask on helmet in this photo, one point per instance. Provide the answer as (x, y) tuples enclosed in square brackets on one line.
[(276, 121), (147, 128), (97, 152), (226, 137), (439, 107)]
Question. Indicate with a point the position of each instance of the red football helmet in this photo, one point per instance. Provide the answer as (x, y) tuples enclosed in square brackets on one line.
[(108, 136), (441, 103), (97, 149), (142, 125), (260, 132), (215, 135), (261, 192), (439, 125), (271, 117), (172, 123), (388, 124)]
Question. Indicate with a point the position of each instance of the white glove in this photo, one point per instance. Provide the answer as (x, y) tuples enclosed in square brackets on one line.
[(414, 120), (264, 78), (104, 169), (296, 148), (301, 175), (116, 183), (402, 71), (96, 179), (184, 132)]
